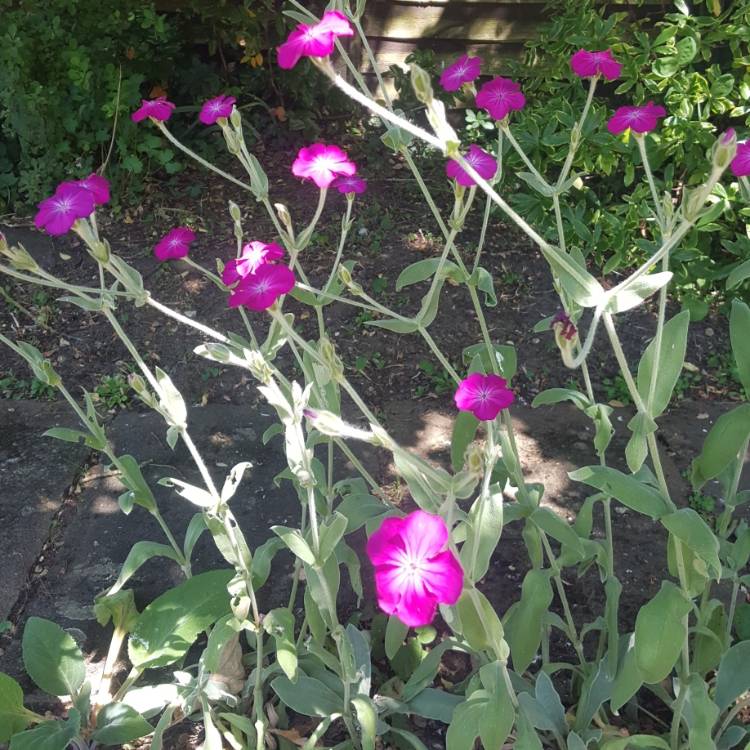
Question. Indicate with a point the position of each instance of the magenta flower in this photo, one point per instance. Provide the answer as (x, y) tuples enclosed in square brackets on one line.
[(350, 185), (322, 164), (262, 288), (58, 213), (485, 164), (254, 255), (98, 186), (464, 70), (639, 119), (174, 244), (213, 109), (741, 163), (484, 395), (413, 570), (313, 41), (157, 109), (587, 64), (499, 96)]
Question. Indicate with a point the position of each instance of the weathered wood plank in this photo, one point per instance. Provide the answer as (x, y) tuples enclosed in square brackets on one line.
[(480, 22), (389, 52)]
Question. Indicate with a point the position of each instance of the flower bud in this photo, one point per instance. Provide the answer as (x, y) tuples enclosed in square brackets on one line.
[(420, 81), (328, 423), (236, 119), (332, 360), (439, 123), (137, 383), (284, 217), (234, 212), (100, 251), (566, 337), (233, 143), (19, 257), (3, 244), (724, 149)]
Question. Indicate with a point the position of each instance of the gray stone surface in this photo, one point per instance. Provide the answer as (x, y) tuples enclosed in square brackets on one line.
[(35, 474), (99, 537)]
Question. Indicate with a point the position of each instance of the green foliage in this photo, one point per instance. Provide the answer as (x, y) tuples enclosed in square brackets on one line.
[(696, 65), (61, 64), (113, 391)]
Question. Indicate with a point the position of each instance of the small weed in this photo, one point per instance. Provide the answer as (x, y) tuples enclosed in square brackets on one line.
[(616, 389), (113, 391), (363, 361), (362, 317), (20, 388), (686, 382), (210, 372), (379, 285), (704, 505), (439, 380)]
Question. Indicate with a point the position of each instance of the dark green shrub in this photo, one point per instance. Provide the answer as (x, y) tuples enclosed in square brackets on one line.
[(61, 63)]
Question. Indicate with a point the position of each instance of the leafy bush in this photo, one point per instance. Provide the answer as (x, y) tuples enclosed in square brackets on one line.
[(72, 71), (61, 64), (695, 63)]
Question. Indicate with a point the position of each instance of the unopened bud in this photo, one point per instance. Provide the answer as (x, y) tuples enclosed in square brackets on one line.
[(234, 211), (328, 423), (233, 143), (137, 383), (236, 119), (439, 123), (724, 149), (285, 217), (3, 244), (19, 258), (100, 251), (420, 81), (566, 337)]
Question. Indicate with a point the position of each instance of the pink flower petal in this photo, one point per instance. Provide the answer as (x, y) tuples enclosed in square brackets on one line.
[(261, 290), (174, 244), (639, 119), (587, 64), (213, 109), (417, 608), (160, 109), (98, 186), (483, 395), (481, 161), (58, 213), (424, 534), (464, 70), (413, 573), (499, 97), (444, 577), (322, 164), (385, 543), (741, 163)]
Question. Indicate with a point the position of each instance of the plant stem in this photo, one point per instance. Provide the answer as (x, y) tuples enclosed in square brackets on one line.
[(572, 631), (200, 159), (641, 141)]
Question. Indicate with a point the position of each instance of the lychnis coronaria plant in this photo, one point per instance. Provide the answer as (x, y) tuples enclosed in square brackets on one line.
[(536, 675)]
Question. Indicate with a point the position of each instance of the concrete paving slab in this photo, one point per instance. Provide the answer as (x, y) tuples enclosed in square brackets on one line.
[(99, 537), (35, 474)]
